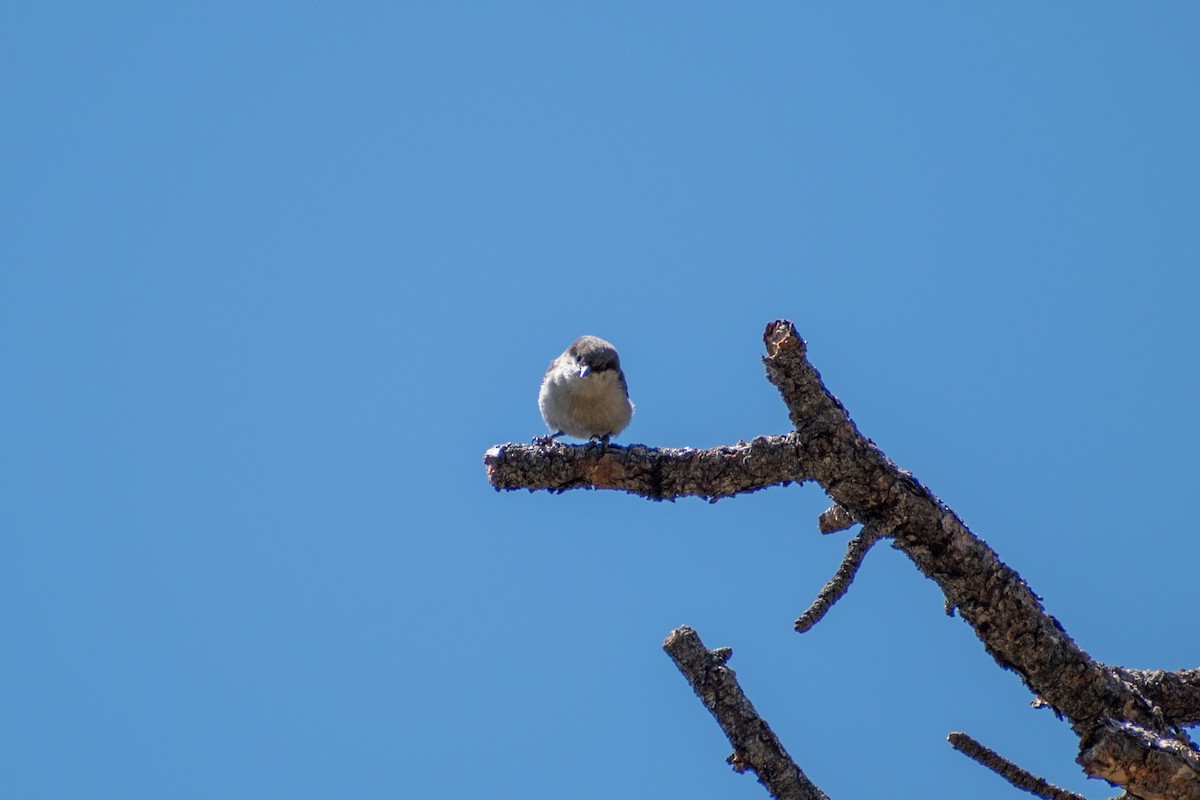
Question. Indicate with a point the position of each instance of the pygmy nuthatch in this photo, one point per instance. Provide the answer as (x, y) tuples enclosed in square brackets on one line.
[(584, 392)]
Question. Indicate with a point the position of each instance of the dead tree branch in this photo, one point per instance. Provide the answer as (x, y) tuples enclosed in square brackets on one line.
[(1127, 721), (834, 519), (656, 473), (1125, 754), (755, 745), (839, 584), (1176, 694), (1006, 769)]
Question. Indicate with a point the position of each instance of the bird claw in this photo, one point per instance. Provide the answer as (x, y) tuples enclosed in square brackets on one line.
[(603, 440)]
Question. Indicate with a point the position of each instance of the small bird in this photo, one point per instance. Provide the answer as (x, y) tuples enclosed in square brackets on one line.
[(584, 392)]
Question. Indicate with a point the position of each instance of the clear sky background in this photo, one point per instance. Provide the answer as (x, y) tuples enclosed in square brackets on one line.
[(273, 276)]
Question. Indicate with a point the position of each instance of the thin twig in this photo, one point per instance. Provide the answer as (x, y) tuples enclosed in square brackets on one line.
[(839, 584), (1020, 778)]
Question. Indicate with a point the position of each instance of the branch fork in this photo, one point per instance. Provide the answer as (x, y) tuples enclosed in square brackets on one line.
[(1129, 721)]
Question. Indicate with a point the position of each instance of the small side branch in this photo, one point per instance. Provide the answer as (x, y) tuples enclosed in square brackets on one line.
[(1006, 769), (839, 584), (755, 746), (835, 518)]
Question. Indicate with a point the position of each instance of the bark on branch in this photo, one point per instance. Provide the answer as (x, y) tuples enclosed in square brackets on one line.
[(1177, 694), (755, 745), (1127, 721), (1022, 779), (656, 473), (839, 584)]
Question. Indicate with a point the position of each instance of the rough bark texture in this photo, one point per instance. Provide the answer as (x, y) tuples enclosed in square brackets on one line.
[(1176, 693), (1008, 770), (1127, 720), (755, 745), (839, 584), (656, 473)]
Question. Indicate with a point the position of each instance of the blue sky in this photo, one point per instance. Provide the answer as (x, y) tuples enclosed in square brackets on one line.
[(274, 276)]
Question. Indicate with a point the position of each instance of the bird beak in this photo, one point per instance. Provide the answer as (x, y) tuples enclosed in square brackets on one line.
[(583, 370)]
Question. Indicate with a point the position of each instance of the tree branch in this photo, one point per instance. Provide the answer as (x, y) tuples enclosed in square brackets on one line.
[(834, 519), (1006, 616), (1177, 694), (1150, 765), (755, 746), (1006, 769), (654, 473), (839, 584), (991, 597)]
